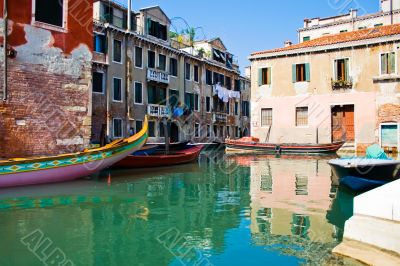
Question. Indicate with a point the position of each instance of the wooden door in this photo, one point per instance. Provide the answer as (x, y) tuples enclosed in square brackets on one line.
[(343, 123)]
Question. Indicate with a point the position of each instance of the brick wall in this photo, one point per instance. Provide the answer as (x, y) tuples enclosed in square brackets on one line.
[(388, 113), (45, 113)]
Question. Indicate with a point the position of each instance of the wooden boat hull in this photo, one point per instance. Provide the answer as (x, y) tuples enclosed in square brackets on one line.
[(33, 171), (361, 184), (372, 169), (283, 148), (186, 156), (178, 146), (146, 150)]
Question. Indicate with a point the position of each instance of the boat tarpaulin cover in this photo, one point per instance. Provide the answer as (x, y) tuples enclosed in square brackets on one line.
[(376, 152)]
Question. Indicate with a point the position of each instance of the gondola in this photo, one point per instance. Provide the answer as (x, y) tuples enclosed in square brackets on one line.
[(65, 167)]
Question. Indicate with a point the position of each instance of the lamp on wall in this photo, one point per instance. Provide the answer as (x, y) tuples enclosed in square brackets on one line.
[(11, 52)]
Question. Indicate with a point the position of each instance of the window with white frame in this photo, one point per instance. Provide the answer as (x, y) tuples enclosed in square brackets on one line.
[(196, 130), (196, 73), (187, 71), (208, 131), (208, 104), (138, 93), (50, 12), (266, 117), (100, 43), (151, 59), (117, 128), (117, 89), (388, 63), (138, 125), (117, 51), (196, 102), (98, 82)]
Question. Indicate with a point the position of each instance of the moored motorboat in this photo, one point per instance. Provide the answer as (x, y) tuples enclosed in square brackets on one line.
[(51, 169), (252, 144), (363, 173), (160, 159)]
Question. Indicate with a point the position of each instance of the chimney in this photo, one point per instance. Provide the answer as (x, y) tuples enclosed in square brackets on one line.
[(288, 43)]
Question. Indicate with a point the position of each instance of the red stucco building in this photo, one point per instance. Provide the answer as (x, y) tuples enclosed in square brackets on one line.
[(45, 106)]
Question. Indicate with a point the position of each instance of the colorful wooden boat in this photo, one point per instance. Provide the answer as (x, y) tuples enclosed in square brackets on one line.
[(362, 173), (40, 170), (180, 157), (244, 145)]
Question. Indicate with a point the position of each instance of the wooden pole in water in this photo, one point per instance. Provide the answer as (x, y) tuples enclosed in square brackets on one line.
[(5, 43), (166, 133)]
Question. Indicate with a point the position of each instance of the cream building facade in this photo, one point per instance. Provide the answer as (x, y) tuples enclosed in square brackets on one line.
[(337, 87)]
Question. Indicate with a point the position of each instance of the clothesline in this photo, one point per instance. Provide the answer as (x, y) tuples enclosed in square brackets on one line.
[(224, 94)]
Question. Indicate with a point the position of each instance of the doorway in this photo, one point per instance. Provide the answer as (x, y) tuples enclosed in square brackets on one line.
[(174, 132), (343, 123)]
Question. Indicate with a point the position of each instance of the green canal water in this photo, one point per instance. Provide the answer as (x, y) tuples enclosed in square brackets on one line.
[(223, 210)]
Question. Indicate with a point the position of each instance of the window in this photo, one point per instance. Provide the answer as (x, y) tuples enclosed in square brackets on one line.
[(173, 98), (152, 129), (151, 57), (236, 108), (189, 100), (342, 69), (228, 83), (117, 89), (173, 67), (208, 131), (228, 131), (138, 93), (208, 104), (388, 63), (196, 102), (228, 107), (342, 31), (301, 72), (306, 38), (138, 125), (117, 128), (162, 62), (361, 28), (187, 71), (156, 29), (378, 25), (100, 43), (215, 129), (138, 57), (196, 130), (264, 77), (98, 82), (117, 51), (301, 116), (196, 73), (50, 12), (209, 80), (156, 95), (245, 108), (219, 56), (266, 117)]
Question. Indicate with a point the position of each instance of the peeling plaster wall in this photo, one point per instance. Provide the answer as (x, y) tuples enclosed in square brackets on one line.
[(49, 95)]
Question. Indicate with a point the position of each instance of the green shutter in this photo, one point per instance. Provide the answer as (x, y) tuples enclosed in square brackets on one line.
[(384, 64), (294, 73), (260, 79), (269, 75), (346, 70), (307, 72), (392, 63), (148, 25)]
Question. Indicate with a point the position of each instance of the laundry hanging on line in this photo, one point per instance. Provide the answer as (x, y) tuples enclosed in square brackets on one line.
[(224, 94)]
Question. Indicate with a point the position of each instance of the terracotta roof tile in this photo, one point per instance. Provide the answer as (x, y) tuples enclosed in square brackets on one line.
[(340, 38)]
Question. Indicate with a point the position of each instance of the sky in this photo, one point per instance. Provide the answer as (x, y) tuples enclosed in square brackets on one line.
[(252, 25)]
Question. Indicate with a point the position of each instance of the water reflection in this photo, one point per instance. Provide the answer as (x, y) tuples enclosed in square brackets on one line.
[(240, 210)]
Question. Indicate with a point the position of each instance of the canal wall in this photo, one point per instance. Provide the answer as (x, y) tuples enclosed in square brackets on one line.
[(372, 235)]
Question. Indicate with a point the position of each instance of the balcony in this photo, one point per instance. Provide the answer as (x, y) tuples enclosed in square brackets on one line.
[(158, 110), (158, 76), (342, 84), (220, 118)]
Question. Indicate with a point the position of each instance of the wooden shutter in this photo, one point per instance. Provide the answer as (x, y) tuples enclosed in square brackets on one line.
[(384, 64), (391, 63), (269, 75), (307, 71), (346, 70), (294, 79)]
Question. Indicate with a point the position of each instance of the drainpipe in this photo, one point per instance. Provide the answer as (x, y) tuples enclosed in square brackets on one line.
[(5, 19), (391, 12)]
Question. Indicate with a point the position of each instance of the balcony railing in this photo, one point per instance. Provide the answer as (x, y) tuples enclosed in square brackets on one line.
[(220, 117), (158, 76), (342, 84), (158, 110)]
